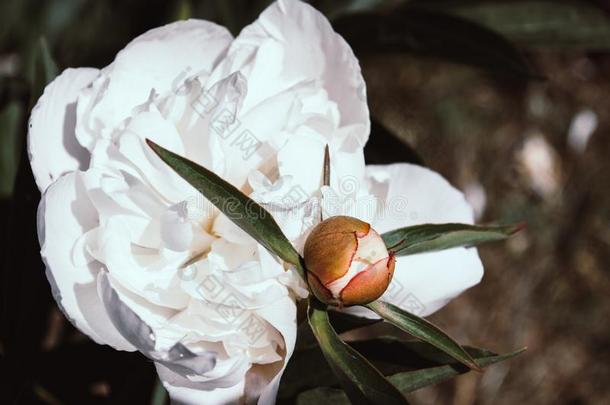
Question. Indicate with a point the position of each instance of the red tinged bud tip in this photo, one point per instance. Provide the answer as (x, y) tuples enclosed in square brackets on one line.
[(347, 262)]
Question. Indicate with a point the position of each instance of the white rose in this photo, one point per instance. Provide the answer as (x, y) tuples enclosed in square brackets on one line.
[(116, 225)]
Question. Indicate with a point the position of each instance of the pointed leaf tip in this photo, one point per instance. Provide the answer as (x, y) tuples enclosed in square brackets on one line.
[(326, 166), (518, 228), (424, 331), (430, 237)]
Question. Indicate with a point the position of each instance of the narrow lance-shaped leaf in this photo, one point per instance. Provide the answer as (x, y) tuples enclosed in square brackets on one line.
[(567, 24), (428, 237), (45, 69), (423, 330), (414, 30), (363, 383), (307, 368), (407, 381), (394, 354), (10, 118), (243, 211), (326, 174)]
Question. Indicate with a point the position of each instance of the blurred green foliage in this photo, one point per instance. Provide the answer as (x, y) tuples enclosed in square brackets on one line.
[(10, 120), (537, 23)]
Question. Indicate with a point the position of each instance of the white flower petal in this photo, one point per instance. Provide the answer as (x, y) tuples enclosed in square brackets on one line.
[(154, 171), (297, 73), (52, 145), (178, 358), (292, 208), (425, 282), (180, 232), (262, 381), (281, 315), (411, 195), (64, 215), (291, 43), (143, 272), (158, 61), (226, 229), (302, 158), (183, 392)]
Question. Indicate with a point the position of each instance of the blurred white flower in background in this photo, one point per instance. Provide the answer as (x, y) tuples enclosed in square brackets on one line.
[(581, 128), (540, 164), (477, 197)]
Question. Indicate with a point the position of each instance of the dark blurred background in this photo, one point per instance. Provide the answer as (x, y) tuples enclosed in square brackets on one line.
[(510, 100)]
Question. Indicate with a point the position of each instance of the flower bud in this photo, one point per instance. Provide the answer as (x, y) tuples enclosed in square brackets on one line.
[(347, 262)]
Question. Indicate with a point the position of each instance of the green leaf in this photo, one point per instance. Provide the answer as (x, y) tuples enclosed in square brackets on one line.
[(363, 383), (10, 119), (392, 354), (307, 367), (323, 396), (423, 330), (183, 10), (341, 322), (45, 69), (407, 382), (159, 394), (326, 170), (435, 34), (573, 24), (427, 237), (244, 212), (410, 381)]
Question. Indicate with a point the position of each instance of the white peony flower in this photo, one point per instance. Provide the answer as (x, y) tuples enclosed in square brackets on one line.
[(138, 260)]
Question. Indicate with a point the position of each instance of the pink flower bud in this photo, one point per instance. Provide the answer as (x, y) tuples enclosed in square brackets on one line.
[(347, 262)]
